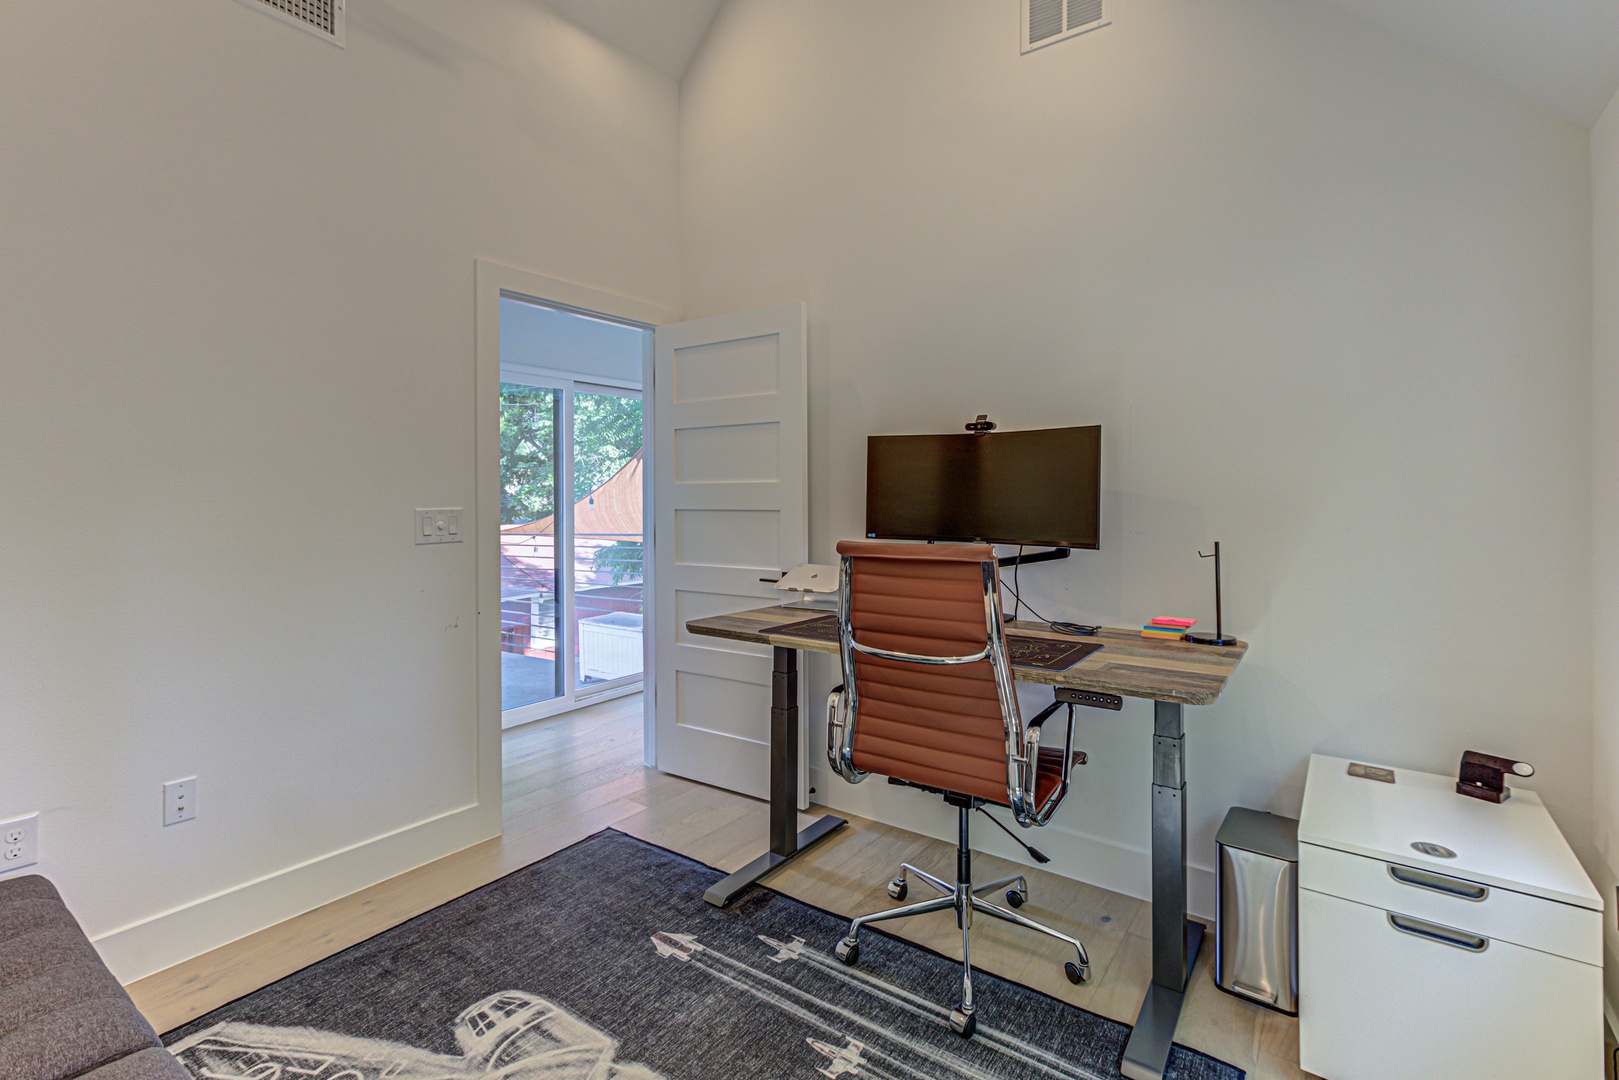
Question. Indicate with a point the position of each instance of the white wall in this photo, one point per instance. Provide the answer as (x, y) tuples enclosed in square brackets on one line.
[(236, 330), (1605, 512), (1328, 298)]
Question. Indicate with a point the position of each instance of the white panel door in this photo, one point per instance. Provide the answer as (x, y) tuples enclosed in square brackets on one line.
[(730, 506)]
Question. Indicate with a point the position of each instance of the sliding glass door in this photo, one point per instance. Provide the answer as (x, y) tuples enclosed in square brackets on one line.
[(606, 538), (570, 544), (531, 461)]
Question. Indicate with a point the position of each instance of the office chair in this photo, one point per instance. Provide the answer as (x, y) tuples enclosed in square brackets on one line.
[(927, 700)]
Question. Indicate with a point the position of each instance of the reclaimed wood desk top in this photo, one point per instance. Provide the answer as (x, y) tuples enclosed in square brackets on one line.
[(1127, 664)]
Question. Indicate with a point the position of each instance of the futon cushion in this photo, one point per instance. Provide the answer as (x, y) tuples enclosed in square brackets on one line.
[(69, 1041), (62, 1013), (59, 987), (28, 887), (29, 954), (20, 917)]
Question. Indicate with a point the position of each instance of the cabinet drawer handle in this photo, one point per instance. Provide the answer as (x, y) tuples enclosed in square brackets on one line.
[(1445, 935), (1427, 879)]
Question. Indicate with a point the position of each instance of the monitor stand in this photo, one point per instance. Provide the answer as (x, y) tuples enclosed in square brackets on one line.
[(1038, 556)]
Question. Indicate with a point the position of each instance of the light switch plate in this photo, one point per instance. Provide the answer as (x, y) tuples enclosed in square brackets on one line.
[(441, 526), (179, 800)]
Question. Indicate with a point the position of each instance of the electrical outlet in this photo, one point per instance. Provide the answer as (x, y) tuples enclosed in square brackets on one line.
[(179, 800), (19, 842)]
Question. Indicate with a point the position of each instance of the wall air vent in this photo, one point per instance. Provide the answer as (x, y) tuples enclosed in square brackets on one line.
[(323, 18), (1048, 21)]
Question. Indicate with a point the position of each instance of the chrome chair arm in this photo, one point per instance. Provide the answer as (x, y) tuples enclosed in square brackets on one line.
[(1029, 767), (1044, 715), (840, 737)]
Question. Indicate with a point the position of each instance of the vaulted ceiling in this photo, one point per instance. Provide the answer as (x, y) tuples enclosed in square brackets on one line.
[(662, 34), (1561, 54)]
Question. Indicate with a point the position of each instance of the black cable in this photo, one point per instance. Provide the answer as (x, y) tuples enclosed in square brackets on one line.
[(1035, 853), (1071, 628), (1017, 597)]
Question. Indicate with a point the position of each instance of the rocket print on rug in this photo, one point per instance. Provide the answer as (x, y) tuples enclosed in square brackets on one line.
[(520, 1036), (603, 962), (514, 1036), (861, 1041)]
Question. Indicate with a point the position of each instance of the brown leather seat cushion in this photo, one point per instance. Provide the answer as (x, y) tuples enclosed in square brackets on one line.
[(1047, 774)]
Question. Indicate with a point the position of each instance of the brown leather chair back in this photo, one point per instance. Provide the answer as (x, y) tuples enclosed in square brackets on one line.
[(941, 726)]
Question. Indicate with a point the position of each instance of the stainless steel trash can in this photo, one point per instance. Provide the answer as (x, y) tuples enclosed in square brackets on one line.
[(1256, 931)]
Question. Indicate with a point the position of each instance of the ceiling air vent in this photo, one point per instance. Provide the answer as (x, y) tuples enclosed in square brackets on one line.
[(1047, 21), (323, 18)]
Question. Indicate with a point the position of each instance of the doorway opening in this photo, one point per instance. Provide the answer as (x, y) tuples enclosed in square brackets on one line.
[(572, 521)]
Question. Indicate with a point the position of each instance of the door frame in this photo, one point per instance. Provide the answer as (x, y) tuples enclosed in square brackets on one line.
[(573, 696), (492, 280)]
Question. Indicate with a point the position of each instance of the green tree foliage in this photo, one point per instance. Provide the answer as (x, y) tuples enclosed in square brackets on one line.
[(607, 433), (625, 560), (528, 452)]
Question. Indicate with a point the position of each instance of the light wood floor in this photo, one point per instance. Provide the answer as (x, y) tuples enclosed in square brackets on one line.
[(569, 776)]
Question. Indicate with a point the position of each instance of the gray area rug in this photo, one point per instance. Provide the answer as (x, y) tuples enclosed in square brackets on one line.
[(602, 962)]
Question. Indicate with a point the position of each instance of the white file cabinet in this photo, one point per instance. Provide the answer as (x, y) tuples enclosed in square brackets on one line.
[(1417, 964)]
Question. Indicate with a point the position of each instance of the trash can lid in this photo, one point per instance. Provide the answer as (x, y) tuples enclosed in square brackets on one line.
[(1261, 833)]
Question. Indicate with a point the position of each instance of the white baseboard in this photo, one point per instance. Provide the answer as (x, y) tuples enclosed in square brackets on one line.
[(160, 941), (1074, 854)]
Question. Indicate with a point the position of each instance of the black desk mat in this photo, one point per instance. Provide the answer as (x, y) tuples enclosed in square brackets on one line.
[(1024, 651)]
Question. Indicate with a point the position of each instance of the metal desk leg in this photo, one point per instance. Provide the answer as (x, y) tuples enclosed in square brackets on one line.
[(786, 840), (1175, 938)]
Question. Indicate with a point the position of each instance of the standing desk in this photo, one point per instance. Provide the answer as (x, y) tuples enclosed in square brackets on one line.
[(1171, 674)]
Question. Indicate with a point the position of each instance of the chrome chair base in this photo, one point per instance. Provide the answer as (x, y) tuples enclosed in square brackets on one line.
[(965, 899)]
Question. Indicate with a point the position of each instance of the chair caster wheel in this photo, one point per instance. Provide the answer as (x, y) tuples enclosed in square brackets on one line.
[(898, 888), (847, 951), (1075, 973), (1016, 897), (963, 1023)]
